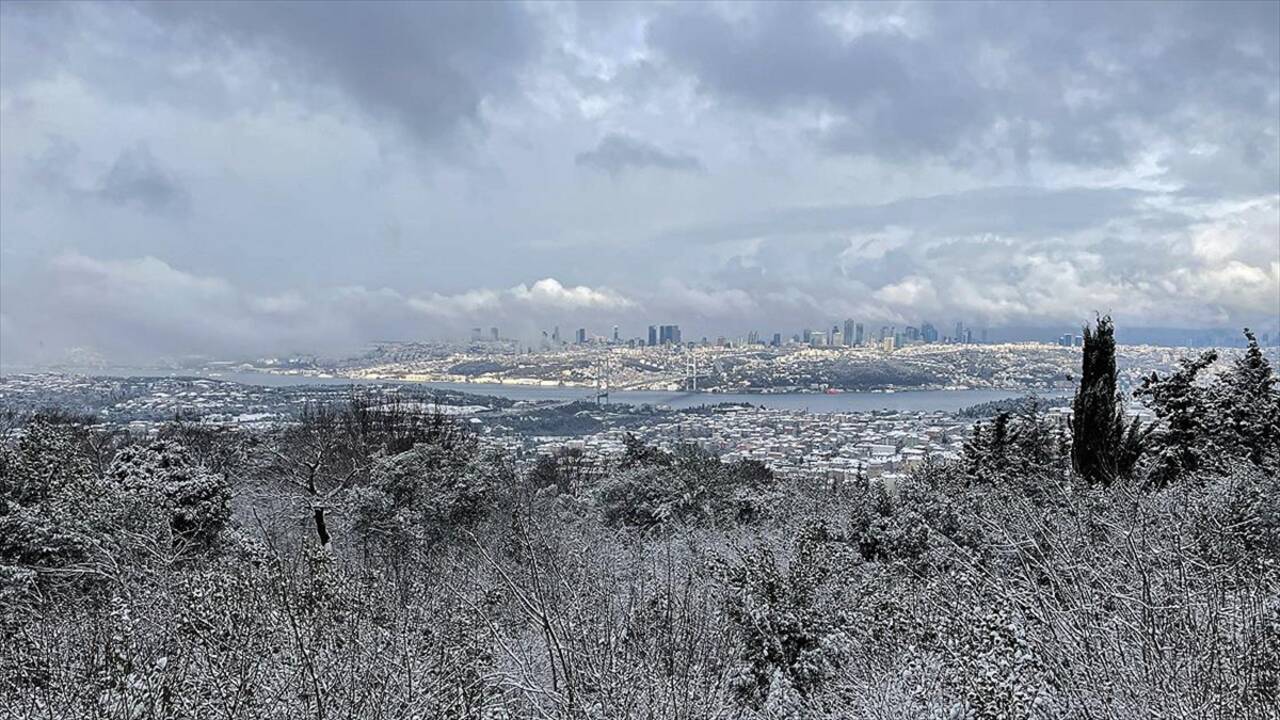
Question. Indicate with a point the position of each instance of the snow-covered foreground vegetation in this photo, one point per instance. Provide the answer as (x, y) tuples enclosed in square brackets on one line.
[(369, 561)]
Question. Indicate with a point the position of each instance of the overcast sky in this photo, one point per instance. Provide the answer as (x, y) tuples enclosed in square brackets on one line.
[(236, 179)]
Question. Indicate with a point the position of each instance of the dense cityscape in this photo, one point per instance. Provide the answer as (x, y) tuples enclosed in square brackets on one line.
[(794, 367), (468, 381)]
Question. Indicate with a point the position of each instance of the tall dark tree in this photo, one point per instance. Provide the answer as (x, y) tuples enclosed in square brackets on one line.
[(1101, 449)]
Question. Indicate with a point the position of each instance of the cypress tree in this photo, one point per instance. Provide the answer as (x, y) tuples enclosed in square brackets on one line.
[(1097, 423)]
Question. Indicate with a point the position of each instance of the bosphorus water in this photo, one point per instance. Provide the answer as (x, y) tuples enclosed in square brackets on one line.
[(906, 400)]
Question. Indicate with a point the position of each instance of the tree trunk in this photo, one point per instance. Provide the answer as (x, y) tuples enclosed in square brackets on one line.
[(322, 530)]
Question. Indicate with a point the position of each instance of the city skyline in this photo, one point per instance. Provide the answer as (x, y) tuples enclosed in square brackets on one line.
[(851, 333)]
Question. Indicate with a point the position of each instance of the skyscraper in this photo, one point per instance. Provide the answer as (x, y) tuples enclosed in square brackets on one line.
[(669, 334), (928, 333), (959, 336), (653, 335), (857, 334), (615, 333), (581, 336), (848, 332), (493, 333)]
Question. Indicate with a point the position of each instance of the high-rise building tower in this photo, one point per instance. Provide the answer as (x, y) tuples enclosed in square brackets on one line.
[(669, 334), (959, 336), (475, 333), (615, 333), (581, 336), (848, 331), (555, 334), (653, 335), (928, 333), (857, 334), (493, 334)]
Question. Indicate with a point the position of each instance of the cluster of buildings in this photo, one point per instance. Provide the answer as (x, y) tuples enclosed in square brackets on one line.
[(1069, 340), (851, 334), (889, 337), (794, 444), (659, 336)]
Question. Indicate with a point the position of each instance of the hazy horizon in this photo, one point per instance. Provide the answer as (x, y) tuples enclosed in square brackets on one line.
[(233, 180)]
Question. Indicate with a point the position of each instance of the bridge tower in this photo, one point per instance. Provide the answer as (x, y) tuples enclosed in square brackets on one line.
[(691, 371), (604, 378)]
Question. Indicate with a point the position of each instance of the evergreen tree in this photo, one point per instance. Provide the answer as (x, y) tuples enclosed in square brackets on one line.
[(987, 454), (1095, 410), (1250, 406), (49, 498), (198, 502), (1208, 425), (1099, 451), (1184, 443)]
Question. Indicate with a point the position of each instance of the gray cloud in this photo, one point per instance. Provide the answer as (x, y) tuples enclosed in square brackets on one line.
[(426, 67), (997, 210), (136, 178), (1081, 83), (616, 153), (230, 178)]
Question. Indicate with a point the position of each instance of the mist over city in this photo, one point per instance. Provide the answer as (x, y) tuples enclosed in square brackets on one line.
[(639, 360)]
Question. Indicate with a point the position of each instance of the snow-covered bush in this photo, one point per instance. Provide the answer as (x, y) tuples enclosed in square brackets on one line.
[(163, 473)]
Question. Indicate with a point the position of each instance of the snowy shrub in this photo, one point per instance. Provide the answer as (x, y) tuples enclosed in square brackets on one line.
[(197, 502)]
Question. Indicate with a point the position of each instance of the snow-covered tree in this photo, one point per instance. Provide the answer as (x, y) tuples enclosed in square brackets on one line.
[(197, 501), (1249, 406)]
